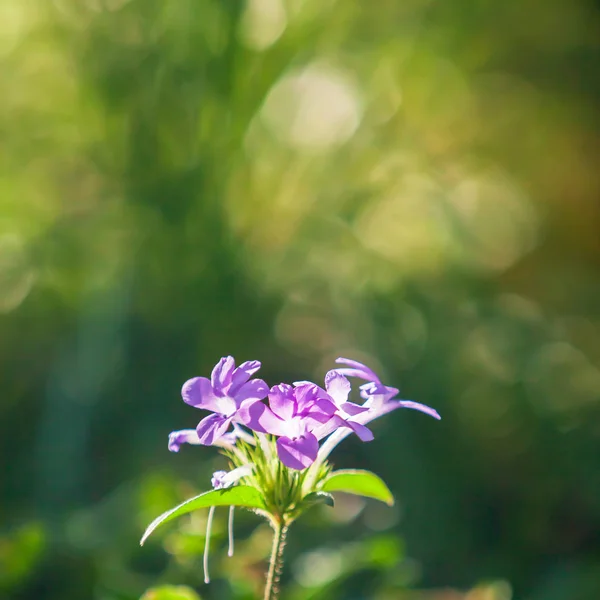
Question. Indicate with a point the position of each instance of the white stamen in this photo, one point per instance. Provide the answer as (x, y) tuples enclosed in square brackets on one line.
[(230, 528), (209, 521)]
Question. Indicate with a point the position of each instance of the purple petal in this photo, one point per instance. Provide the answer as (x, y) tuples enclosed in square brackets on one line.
[(242, 374), (256, 389), (357, 369), (306, 393), (260, 418), (282, 401), (217, 480), (364, 433), (337, 386), (353, 409), (377, 389), (417, 406), (323, 405), (199, 392), (298, 453), (225, 479), (333, 423), (318, 412), (221, 374), (212, 428), (382, 408), (184, 436)]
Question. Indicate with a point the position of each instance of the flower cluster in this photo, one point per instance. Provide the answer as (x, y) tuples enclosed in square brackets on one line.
[(299, 416), (273, 437)]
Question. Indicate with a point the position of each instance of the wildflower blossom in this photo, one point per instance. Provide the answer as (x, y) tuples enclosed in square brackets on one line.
[(292, 415), (378, 396), (224, 479), (223, 394), (190, 436), (378, 402), (285, 469), (337, 388)]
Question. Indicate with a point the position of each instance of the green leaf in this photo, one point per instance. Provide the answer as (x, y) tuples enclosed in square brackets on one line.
[(359, 483), (171, 592), (318, 498), (240, 495)]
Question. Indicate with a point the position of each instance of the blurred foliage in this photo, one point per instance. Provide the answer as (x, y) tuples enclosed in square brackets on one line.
[(171, 592), (410, 183)]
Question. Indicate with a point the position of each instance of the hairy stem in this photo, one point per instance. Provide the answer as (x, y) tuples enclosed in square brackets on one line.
[(276, 562)]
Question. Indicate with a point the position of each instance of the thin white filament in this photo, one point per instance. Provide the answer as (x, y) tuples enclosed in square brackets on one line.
[(209, 521), (230, 529)]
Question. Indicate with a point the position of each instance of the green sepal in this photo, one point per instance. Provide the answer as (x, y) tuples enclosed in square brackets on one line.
[(359, 483), (240, 495)]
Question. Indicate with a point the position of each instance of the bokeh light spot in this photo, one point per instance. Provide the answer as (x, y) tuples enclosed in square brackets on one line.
[(313, 109), (262, 23)]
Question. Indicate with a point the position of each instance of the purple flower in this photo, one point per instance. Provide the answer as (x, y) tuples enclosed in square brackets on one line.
[(356, 369), (337, 389), (189, 436), (378, 402), (293, 415), (224, 479), (184, 436), (378, 396), (223, 394)]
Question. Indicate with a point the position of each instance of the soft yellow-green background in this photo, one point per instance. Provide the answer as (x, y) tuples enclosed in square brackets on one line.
[(410, 183)]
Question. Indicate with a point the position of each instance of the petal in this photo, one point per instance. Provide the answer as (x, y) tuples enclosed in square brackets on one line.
[(321, 410), (357, 369), (352, 409), (212, 428), (199, 392), (364, 433), (242, 374), (282, 401), (306, 393), (234, 476), (184, 436), (225, 479), (221, 374), (227, 440), (328, 427), (383, 408), (298, 453), (337, 422), (260, 418), (217, 480), (337, 386), (256, 389), (421, 407), (324, 405), (378, 389)]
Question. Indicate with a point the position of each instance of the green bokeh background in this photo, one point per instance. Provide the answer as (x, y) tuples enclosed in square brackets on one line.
[(410, 183)]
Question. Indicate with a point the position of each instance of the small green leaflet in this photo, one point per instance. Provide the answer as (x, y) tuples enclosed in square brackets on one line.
[(318, 498), (359, 483), (240, 495)]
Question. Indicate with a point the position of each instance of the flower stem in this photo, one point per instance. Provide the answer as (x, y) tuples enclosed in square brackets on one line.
[(276, 562)]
